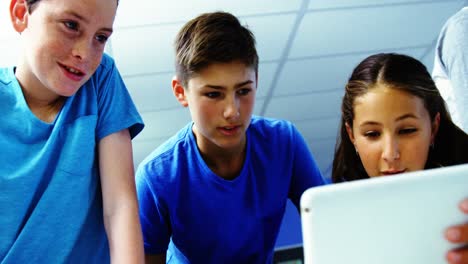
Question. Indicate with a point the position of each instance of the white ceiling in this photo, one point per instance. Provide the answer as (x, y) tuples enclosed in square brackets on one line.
[(307, 50)]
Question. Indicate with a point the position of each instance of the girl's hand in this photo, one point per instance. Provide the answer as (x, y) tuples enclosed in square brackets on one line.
[(458, 234)]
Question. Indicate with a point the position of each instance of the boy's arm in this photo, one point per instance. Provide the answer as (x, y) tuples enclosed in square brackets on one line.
[(155, 259), (120, 206)]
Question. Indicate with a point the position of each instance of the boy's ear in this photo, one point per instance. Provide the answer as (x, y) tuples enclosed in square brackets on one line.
[(349, 130), (19, 15), (179, 91)]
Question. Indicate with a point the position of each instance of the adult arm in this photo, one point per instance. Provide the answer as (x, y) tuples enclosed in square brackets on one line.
[(120, 206), (454, 56)]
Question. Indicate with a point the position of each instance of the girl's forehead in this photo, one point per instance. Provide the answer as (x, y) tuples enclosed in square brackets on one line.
[(384, 92), (386, 104)]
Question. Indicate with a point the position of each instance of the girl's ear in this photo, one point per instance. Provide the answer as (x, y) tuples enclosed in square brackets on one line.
[(349, 130), (179, 91), (435, 127), (19, 15)]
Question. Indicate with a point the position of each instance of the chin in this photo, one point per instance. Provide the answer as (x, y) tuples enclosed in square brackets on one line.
[(68, 92)]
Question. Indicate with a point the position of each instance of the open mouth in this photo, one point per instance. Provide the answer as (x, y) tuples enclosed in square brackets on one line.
[(229, 130), (73, 70)]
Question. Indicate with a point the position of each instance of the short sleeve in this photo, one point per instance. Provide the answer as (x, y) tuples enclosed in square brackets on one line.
[(306, 173), (154, 217), (116, 108), (451, 65)]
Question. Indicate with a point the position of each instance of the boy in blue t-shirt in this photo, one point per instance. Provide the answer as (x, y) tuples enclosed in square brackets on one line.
[(66, 173), (216, 191)]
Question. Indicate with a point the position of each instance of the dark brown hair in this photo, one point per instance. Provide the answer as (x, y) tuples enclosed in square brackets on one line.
[(410, 75), (212, 38)]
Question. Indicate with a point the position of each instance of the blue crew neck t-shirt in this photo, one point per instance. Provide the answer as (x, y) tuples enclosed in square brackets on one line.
[(195, 216), (50, 194)]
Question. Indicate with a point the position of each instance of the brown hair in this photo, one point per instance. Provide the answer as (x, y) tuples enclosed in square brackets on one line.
[(212, 38), (410, 75)]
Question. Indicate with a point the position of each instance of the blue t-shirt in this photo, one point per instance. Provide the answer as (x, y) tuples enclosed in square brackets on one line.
[(50, 195), (200, 217)]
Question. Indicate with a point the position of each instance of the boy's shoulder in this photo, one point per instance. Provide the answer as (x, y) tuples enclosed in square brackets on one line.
[(106, 66), (5, 76), (167, 151), (107, 60), (269, 126)]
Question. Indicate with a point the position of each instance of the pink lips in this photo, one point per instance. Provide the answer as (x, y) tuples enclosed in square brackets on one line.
[(229, 130), (77, 75), (392, 172)]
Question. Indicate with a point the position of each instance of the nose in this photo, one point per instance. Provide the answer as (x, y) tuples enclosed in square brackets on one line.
[(390, 151), (231, 109), (82, 49)]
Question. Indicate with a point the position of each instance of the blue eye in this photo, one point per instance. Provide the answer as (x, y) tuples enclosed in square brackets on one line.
[(244, 91), (71, 25), (212, 94), (102, 38)]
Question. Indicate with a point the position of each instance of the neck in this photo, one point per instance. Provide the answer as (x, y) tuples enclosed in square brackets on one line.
[(226, 163), (44, 109), (227, 166), (42, 102)]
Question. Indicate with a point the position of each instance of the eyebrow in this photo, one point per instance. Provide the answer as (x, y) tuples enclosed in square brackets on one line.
[(405, 116), (82, 18), (219, 87)]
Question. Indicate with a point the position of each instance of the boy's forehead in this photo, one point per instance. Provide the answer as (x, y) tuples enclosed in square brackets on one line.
[(234, 63), (223, 74)]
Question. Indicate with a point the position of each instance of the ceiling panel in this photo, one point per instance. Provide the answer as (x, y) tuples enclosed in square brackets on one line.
[(9, 38), (379, 28), (271, 40), (5, 24), (9, 58), (313, 75), (319, 129), (322, 150), (8, 33), (152, 46), (428, 57), (305, 106), (265, 78), (145, 49), (141, 149), (320, 4), (162, 124), (325, 73), (152, 92), (258, 106), (148, 12)]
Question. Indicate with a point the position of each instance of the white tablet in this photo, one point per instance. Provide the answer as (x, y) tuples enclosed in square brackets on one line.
[(386, 220)]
